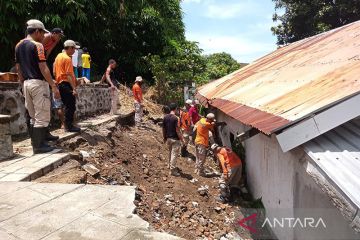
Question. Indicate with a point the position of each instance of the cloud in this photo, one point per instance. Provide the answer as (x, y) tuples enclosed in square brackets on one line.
[(192, 1), (231, 10), (242, 49)]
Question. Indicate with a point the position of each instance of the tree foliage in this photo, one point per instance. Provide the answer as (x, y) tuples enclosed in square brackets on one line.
[(179, 65), (127, 30), (305, 18), (219, 65)]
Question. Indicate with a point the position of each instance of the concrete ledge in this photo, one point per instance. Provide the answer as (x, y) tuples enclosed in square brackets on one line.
[(30, 168), (71, 211)]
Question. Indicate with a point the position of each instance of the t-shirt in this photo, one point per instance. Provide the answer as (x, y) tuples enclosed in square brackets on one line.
[(193, 112), (85, 60), (63, 67), (28, 54), (74, 58), (49, 42), (202, 132), (169, 124), (80, 52), (137, 92), (184, 122), (228, 160)]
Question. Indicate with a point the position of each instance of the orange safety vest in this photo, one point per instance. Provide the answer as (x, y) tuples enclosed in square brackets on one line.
[(202, 132), (184, 122), (228, 160)]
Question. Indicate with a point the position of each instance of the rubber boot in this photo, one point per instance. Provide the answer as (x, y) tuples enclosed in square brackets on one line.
[(183, 151), (72, 128), (38, 141), (49, 136)]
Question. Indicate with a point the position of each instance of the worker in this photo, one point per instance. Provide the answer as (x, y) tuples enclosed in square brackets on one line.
[(172, 138), (138, 100), (185, 126), (35, 79), (86, 63), (114, 85), (231, 167), (65, 79), (203, 127), (194, 112), (51, 40)]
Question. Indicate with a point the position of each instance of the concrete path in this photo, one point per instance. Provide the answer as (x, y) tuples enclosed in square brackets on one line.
[(34, 211), (26, 166)]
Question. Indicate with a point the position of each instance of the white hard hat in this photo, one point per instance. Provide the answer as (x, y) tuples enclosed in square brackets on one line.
[(210, 116), (138, 79), (189, 101)]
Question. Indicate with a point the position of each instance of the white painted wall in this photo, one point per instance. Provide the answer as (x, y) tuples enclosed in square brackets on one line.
[(280, 179)]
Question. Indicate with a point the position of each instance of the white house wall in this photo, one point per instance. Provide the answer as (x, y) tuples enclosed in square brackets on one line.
[(281, 180)]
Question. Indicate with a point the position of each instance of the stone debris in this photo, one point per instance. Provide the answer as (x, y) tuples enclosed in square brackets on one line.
[(84, 154), (203, 190), (91, 169), (194, 180)]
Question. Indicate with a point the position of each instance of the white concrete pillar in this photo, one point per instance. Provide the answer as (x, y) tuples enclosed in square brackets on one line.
[(6, 147)]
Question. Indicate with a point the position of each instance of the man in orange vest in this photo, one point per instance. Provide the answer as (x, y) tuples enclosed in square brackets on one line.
[(231, 171), (203, 127), (138, 100), (185, 126), (66, 81)]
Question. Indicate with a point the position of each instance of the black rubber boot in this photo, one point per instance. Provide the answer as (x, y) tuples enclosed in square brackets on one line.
[(38, 141), (72, 129), (183, 151), (50, 137)]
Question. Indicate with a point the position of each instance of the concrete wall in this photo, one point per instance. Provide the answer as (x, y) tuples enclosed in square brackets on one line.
[(12, 103), (93, 99), (281, 180)]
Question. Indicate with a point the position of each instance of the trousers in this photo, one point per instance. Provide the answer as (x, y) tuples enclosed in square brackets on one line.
[(69, 101), (37, 102)]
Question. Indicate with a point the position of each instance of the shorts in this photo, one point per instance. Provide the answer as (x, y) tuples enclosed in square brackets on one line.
[(56, 103)]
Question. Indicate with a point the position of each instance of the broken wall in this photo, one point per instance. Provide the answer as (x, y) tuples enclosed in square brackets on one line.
[(12, 103), (92, 99)]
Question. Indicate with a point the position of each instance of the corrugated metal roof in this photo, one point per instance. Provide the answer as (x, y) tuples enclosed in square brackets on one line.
[(291, 82), (337, 154)]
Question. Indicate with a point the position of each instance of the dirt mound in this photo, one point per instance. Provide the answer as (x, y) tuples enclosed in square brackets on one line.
[(127, 103), (133, 156)]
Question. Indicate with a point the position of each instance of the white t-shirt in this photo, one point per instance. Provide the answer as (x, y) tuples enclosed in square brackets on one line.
[(75, 58)]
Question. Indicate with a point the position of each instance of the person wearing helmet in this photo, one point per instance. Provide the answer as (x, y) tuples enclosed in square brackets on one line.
[(203, 127), (185, 126), (231, 167), (138, 99)]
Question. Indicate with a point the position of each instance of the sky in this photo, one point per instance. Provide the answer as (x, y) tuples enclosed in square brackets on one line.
[(238, 27)]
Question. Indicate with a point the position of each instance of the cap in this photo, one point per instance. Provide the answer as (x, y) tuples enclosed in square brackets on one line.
[(189, 101), (214, 146), (196, 102), (138, 79), (36, 24), (210, 116), (58, 31), (70, 43)]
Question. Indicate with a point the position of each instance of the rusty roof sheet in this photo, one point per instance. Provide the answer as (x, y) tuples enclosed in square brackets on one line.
[(292, 82)]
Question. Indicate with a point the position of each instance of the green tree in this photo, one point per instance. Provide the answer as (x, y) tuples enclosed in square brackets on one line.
[(181, 63), (219, 65), (127, 30), (305, 18)]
